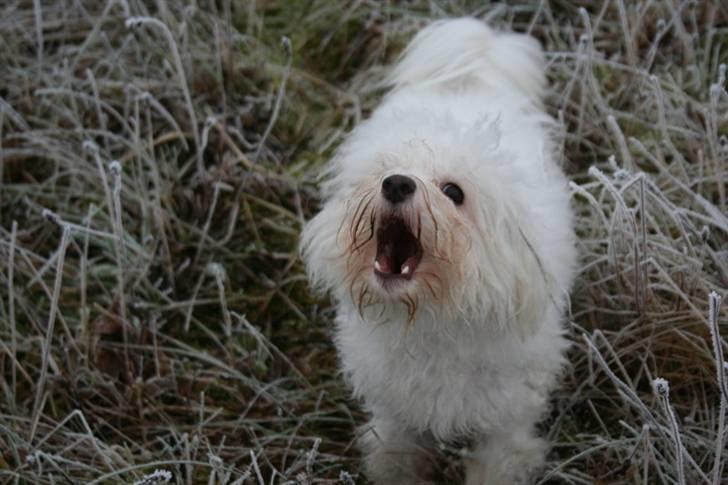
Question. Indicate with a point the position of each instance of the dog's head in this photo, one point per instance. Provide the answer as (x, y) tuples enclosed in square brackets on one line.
[(429, 224)]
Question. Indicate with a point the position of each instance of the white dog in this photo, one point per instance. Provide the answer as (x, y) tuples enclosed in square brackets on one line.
[(446, 240)]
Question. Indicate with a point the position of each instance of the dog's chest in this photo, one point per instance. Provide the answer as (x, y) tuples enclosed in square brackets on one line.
[(440, 382)]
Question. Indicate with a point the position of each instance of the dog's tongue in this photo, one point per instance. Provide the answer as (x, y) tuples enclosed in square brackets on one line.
[(386, 264), (398, 251)]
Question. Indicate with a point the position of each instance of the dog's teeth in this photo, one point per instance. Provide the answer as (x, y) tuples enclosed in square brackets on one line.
[(406, 269), (377, 266)]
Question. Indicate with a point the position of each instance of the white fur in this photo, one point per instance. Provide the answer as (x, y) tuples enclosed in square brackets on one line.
[(480, 344)]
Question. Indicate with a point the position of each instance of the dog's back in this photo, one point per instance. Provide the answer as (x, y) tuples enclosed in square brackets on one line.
[(467, 54)]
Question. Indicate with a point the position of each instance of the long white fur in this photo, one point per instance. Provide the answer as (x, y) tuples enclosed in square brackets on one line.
[(478, 358)]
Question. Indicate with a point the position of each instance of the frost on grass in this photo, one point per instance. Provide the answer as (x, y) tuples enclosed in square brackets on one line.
[(155, 478), (156, 164)]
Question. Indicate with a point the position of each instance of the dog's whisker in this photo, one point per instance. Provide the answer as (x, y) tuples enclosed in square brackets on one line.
[(441, 257), (429, 286), (358, 217), (428, 206), (372, 223), (411, 305), (362, 295)]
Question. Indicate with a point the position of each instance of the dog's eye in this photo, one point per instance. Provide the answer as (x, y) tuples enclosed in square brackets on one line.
[(454, 192)]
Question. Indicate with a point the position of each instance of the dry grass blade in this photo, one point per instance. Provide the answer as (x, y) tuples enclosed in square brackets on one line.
[(178, 340)]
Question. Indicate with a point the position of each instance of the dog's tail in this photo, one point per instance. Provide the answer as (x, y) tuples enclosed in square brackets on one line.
[(467, 53)]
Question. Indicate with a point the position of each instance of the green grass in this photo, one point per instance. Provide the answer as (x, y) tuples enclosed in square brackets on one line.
[(184, 335)]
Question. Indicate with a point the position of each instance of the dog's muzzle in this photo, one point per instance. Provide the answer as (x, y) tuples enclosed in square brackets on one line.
[(399, 252)]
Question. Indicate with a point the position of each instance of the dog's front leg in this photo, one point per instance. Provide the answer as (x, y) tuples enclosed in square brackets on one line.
[(394, 455), (505, 458)]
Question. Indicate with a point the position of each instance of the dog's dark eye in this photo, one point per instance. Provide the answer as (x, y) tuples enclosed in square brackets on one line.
[(454, 192)]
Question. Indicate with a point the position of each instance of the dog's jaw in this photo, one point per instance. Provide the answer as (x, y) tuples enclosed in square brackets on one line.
[(398, 254)]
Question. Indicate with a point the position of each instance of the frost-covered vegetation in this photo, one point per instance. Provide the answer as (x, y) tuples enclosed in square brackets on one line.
[(158, 159)]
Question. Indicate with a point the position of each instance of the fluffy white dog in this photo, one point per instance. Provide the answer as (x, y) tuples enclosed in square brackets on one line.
[(446, 241)]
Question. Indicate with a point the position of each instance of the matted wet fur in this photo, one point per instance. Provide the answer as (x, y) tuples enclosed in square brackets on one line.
[(446, 241)]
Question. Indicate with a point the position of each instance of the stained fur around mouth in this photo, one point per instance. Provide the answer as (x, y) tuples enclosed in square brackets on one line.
[(398, 249)]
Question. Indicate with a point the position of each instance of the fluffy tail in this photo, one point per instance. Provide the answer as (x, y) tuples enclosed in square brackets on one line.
[(465, 52)]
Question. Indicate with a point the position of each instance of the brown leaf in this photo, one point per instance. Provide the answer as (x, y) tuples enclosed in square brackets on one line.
[(109, 323), (109, 362)]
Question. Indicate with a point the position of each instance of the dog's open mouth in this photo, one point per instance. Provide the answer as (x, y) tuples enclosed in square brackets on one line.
[(398, 250)]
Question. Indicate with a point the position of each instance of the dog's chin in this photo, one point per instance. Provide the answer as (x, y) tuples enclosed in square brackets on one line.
[(398, 255)]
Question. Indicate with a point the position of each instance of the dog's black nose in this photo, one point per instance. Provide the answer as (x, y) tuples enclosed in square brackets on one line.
[(398, 188)]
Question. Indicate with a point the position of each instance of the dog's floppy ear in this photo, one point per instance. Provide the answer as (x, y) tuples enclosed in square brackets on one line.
[(533, 288), (510, 286), (319, 247)]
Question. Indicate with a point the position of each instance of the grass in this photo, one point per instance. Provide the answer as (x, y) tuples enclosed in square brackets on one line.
[(157, 161)]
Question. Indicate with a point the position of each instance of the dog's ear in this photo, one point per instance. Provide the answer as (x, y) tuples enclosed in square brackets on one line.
[(533, 287), (319, 247), (512, 288)]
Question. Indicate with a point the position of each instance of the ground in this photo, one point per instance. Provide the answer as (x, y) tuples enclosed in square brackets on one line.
[(158, 160)]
